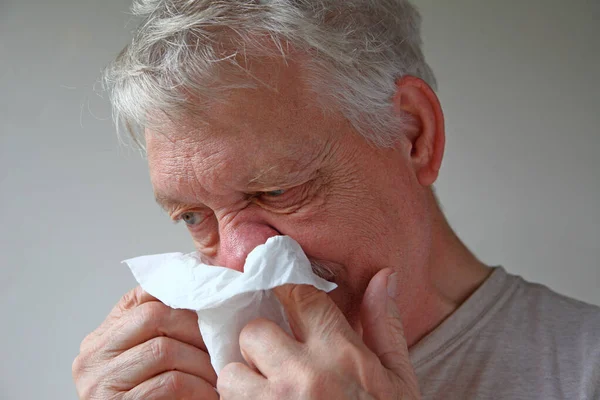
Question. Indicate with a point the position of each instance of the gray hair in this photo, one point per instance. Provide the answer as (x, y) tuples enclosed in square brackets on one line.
[(195, 49)]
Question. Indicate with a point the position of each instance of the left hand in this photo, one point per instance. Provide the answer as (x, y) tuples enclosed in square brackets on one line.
[(326, 359)]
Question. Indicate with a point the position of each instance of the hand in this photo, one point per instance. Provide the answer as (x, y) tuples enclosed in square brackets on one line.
[(326, 359), (145, 350)]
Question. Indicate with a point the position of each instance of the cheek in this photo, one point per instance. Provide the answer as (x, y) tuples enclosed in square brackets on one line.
[(343, 241), (338, 230), (206, 237)]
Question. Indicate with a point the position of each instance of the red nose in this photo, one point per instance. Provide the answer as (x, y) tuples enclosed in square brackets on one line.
[(237, 242)]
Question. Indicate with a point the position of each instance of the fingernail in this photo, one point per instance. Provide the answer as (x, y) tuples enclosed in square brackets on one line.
[(392, 285)]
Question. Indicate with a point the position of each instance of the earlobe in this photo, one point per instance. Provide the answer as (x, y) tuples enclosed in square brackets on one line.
[(426, 132)]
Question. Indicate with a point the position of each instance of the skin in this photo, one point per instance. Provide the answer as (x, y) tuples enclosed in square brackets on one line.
[(270, 162)]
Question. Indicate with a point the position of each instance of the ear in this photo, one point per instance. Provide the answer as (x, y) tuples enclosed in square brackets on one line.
[(426, 133)]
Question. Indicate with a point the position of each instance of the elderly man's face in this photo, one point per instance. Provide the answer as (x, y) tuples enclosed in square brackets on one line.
[(267, 163)]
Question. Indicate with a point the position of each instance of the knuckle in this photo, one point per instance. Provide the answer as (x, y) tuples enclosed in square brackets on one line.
[(88, 342), (162, 349), (131, 299), (350, 355), (229, 371), (255, 325), (255, 328), (87, 378), (305, 383), (150, 316), (87, 385), (83, 365), (175, 383), (364, 364), (85, 342), (318, 306), (90, 376), (91, 391), (78, 367), (306, 296), (228, 376)]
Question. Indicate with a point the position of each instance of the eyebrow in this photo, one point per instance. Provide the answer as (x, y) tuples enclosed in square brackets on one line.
[(165, 202), (274, 177), (260, 181)]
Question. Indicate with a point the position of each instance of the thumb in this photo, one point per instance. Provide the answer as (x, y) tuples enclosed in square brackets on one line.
[(382, 326)]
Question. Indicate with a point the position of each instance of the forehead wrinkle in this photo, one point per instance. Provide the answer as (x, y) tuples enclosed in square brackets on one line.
[(261, 178), (290, 177), (292, 170), (276, 175), (176, 183)]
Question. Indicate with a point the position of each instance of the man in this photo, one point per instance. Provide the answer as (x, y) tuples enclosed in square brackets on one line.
[(317, 120)]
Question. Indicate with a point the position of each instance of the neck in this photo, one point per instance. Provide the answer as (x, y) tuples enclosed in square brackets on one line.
[(451, 276)]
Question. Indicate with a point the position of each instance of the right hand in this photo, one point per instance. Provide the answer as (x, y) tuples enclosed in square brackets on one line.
[(145, 350)]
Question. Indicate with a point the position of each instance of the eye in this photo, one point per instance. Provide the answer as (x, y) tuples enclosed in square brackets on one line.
[(274, 193), (192, 218)]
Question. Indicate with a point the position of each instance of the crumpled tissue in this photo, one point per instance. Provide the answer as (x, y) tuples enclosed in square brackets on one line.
[(224, 299)]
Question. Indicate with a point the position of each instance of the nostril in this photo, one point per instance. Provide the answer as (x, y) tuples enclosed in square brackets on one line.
[(277, 233), (237, 243)]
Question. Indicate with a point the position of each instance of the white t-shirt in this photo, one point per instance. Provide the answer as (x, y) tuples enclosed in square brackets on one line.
[(512, 340)]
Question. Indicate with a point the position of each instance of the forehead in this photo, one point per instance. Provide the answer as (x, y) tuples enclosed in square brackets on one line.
[(254, 134), (217, 159)]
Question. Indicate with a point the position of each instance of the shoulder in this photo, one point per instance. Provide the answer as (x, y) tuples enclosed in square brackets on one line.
[(535, 314), (563, 330), (563, 315), (556, 334)]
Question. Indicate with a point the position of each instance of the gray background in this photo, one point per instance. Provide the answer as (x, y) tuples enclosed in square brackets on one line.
[(519, 84)]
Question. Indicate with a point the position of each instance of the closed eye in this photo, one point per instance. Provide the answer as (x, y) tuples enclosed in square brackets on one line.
[(280, 200), (274, 193)]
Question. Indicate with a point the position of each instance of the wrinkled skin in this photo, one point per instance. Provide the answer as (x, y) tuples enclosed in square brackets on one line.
[(350, 205), (326, 359), (267, 163), (144, 350)]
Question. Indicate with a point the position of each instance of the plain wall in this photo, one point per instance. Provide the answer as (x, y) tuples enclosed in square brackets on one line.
[(520, 182)]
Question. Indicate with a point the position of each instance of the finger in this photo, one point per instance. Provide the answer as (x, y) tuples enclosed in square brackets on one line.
[(266, 347), (130, 300), (311, 312), (172, 385), (156, 356), (238, 381), (150, 320), (382, 326)]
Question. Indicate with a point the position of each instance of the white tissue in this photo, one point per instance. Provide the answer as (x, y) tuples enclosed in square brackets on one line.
[(224, 299)]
